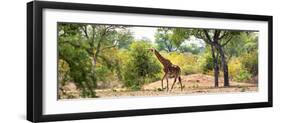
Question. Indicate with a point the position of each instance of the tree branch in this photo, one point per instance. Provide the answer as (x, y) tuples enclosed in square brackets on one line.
[(223, 35), (93, 37), (99, 44), (84, 28), (209, 40), (207, 35), (199, 35), (72, 44), (108, 47), (216, 35), (226, 42)]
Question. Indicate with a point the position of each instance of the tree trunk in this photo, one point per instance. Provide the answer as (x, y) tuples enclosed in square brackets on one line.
[(224, 65), (94, 64), (216, 67)]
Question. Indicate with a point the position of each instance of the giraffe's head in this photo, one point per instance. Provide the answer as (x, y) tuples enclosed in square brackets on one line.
[(152, 50)]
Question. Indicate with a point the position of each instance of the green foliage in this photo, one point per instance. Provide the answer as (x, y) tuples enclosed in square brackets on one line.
[(250, 62), (191, 69), (237, 71), (88, 50), (141, 67), (171, 39), (80, 68), (243, 75), (103, 72), (163, 39), (186, 61), (240, 44), (235, 66), (206, 62), (244, 49), (93, 55), (135, 87), (180, 34), (193, 48), (63, 71), (125, 39)]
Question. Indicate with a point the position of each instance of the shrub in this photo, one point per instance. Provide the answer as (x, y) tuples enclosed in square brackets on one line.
[(80, 68), (140, 67), (250, 62), (190, 69), (234, 67), (237, 71), (244, 67), (187, 62), (243, 75), (205, 63)]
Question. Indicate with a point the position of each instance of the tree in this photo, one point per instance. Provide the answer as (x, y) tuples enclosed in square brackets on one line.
[(245, 46), (192, 48), (163, 39), (72, 52), (169, 41), (217, 39), (82, 46)]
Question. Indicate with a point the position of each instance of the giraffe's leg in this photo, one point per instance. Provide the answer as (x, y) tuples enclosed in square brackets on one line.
[(167, 82), (174, 81), (180, 82), (162, 80)]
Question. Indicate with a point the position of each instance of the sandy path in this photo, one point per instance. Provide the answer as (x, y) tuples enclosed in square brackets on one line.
[(193, 84)]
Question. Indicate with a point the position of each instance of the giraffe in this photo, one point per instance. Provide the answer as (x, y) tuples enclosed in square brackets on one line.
[(169, 69)]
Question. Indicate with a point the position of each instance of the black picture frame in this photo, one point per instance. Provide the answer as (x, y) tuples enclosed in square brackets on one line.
[(35, 69)]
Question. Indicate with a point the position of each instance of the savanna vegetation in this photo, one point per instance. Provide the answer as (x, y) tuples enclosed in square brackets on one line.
[(97, 59)]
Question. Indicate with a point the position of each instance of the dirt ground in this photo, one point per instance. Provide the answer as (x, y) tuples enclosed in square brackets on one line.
[(193, 84)]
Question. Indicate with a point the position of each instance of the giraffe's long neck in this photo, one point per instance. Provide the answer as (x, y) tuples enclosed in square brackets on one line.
[(164, 61)]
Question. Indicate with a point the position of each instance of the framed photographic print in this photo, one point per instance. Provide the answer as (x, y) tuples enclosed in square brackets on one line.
[(95, 61)]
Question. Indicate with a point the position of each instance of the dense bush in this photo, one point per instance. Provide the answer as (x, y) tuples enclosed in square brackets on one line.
[(80, 68), (237, 71), (205, 63), (250, 62), (140, 67), (248, 66), (235, 66), (243, 75), (108, 69)]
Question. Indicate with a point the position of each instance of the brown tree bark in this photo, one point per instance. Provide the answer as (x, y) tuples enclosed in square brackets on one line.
[(224, 65), (216, 67)]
